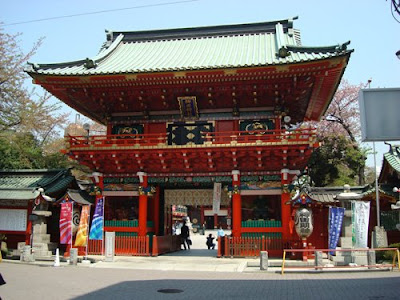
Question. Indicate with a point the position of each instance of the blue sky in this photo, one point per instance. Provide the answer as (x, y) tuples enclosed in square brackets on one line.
[(369, 25)]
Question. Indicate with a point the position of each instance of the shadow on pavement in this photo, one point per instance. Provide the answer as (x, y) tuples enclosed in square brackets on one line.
[(194, 252), (384, 288)]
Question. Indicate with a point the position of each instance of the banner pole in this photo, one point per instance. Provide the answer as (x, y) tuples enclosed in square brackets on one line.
[(102, 233), (378, 217), (72, 224), (87, 232)]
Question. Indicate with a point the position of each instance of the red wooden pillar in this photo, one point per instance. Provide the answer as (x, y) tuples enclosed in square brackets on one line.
[(28, 231), (236, 205), (285, 208), (216, 225), (142, 204), (101, 183), (156, 210)]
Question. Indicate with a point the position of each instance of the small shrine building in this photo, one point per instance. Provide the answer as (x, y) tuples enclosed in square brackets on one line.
[(209, 118), (26, 211)]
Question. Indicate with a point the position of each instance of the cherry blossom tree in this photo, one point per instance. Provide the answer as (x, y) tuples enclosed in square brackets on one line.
[(341, 157)]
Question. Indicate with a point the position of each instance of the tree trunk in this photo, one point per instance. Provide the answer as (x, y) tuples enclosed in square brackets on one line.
[(361, 175)]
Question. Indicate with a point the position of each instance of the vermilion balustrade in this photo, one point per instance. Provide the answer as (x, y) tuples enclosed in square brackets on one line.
[(124, 245), (251, 246), (229, 137)]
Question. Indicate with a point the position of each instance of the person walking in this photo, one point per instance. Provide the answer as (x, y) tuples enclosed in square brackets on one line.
[(185, 236)]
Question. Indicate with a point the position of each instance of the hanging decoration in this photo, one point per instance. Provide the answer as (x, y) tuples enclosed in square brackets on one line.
[(303, 221), (82, 235), (66, 223), (96, 231)]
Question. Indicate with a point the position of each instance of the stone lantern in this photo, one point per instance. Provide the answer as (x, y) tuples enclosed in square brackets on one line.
[(40, 238)]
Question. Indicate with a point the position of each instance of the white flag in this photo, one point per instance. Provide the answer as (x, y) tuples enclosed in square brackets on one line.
[(360, 220), (217, 197)]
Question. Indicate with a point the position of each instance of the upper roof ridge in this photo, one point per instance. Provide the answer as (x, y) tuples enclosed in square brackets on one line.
[(205, 31)]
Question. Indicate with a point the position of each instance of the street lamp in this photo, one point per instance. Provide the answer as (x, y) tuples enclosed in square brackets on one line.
[(397, 205)]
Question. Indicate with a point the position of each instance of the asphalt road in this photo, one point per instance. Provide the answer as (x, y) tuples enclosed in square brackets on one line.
[(38, 282)]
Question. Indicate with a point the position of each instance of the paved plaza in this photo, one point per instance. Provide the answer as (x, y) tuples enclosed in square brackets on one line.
[(71, 282), (194, 274)]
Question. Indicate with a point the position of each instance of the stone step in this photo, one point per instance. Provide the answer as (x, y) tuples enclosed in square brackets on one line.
[(44, 249), (360, 260), (345, 242), (344, 258), (341, 260), (38, 254), (40, 246), (42, 238)]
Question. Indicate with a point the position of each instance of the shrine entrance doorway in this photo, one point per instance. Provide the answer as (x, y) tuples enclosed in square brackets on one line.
[(195, 206)]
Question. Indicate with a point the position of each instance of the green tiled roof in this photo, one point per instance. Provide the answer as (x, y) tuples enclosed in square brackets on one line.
[(393, 158), (81, 196), (328, 194), (18, 194), (22, 184), (202, 48)]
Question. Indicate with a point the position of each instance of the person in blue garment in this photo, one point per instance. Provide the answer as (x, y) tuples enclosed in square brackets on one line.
[(220, 232)]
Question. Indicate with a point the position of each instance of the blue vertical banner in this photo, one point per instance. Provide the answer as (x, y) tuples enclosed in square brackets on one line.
[(336, 215), (96, 231)]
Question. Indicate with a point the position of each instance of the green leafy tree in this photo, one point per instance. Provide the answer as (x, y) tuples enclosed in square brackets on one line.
[(29, 122), (336, 162), (340, 159), (23, 151)]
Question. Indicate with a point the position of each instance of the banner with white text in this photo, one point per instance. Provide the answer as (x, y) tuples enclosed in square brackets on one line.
[(336, 215)]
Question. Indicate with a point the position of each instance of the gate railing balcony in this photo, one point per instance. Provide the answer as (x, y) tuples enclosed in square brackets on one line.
[(207, 139)]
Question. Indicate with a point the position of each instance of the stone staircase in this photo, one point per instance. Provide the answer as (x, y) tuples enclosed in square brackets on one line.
[(344, 258), (42, 247)]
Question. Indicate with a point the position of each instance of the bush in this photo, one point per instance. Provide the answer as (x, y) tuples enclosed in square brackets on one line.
[(388, 255), (379, 256)]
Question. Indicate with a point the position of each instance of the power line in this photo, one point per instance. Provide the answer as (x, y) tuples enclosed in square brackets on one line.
[(99, 12)]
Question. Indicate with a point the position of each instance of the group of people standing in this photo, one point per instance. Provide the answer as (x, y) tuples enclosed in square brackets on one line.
[(210, 239), (183, 230)]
